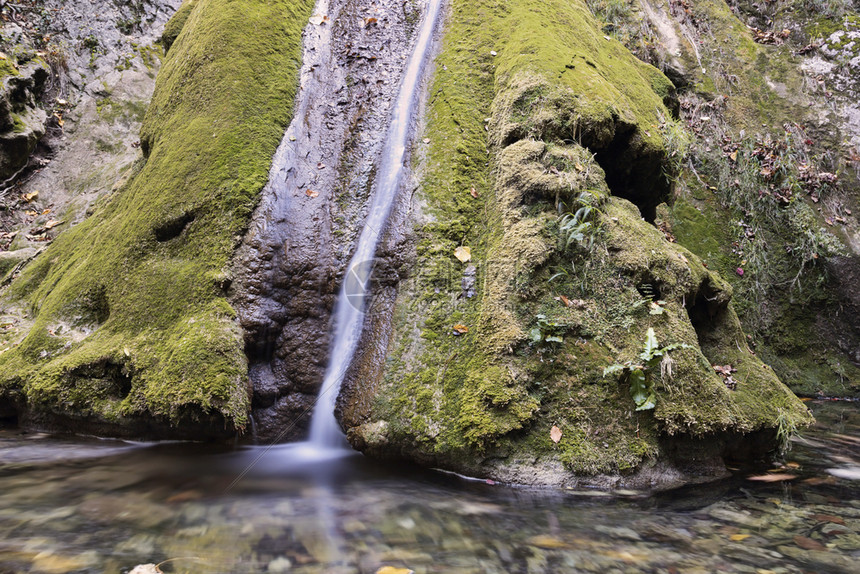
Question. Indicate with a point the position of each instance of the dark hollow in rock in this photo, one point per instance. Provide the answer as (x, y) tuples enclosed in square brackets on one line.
[(707, 310), (113, 380), (634, 172), (94, 306), (173, 227)]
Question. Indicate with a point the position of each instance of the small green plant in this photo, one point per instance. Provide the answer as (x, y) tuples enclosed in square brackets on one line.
[(580, 227), (653, 359), (547, 331), (785, 429), (678, 142)]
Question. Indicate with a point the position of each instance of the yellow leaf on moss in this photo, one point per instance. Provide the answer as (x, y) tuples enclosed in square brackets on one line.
[(464, 254)]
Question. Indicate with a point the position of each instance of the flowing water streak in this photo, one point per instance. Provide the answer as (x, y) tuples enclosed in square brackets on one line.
[(349, 311)]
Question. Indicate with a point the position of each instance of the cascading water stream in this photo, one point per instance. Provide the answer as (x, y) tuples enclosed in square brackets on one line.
[(349, 310)]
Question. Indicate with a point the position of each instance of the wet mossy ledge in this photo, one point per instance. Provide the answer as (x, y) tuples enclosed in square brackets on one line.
[(495, 365), (123, 326)]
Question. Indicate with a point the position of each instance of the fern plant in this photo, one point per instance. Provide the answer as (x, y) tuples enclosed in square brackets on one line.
[(641, 374), (580, 226)]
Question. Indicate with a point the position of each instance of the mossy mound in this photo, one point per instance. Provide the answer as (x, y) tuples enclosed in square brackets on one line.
[(175, 24), (793, 251), (127, 313), (488, 355)]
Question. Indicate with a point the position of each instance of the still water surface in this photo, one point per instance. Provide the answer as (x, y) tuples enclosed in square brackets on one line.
[(87, 505)]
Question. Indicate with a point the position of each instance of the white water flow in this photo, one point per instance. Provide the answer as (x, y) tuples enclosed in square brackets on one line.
[(349, 310)]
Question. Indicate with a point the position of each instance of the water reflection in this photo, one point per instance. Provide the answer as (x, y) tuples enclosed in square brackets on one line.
[(86, 505)]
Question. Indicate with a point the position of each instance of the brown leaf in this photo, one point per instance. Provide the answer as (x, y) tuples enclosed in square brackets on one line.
[(809, 543), (312, 193), (460, 329), (828, 518), (734, 155), (564, 301), (772, 477), (555, 434), (29, 197), (474, 193), (369, 21), (185, 496), (53, 223)]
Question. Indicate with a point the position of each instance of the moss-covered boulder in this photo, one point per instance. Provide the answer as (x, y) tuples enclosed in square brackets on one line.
[(122, 325), (495, 362)]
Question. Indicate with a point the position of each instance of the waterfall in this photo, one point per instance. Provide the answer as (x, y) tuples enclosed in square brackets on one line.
[(349, 309)]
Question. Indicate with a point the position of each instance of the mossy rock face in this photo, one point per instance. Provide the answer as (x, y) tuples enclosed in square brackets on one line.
[(22, 122), (175, 25), (123, 322), (489, 359)]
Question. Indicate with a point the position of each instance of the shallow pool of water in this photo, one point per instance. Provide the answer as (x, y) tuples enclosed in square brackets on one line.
[(89, 505)]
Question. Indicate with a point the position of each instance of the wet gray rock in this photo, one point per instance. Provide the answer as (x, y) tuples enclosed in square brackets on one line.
[(293, 258), (87, 71)]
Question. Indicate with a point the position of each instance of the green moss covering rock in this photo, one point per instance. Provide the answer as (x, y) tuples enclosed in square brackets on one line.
[(489, 358), (175, 25), (124, 317)]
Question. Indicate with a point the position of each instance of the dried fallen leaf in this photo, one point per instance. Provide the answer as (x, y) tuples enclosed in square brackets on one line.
[(369, 21), (312, 193), (318, 20), (53, 223), (809, 543), (426, 140), (460, 329), (185, 496), (394, 570), (733, 156), (2, 56), (816, 480), (772, 477), (828, 518), (146, 569), (739, 537), (28, 197), (578, 167), (464, 254), (555, 434), (474, 193), (548, 542)]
